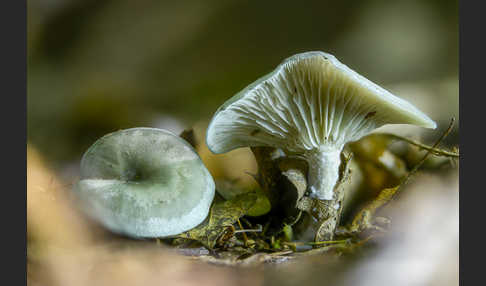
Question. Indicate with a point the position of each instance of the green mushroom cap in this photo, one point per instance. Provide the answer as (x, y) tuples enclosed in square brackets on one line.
[(145, 182)]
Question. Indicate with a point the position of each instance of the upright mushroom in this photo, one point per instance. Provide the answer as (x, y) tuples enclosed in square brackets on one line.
[(144, 182), (311, 105)]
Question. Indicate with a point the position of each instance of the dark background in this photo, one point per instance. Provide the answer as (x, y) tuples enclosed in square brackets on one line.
[(98, 66)]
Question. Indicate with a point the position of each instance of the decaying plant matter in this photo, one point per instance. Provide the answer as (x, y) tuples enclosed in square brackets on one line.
[(298, 225)]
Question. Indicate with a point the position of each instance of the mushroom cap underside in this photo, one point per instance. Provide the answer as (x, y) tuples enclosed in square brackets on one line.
[(311, 100), (145, 182)]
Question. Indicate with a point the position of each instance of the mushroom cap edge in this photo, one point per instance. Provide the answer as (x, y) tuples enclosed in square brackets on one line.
[(420, 119)]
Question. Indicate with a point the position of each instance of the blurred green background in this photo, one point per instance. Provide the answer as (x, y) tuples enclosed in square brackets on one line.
[(98, 66)]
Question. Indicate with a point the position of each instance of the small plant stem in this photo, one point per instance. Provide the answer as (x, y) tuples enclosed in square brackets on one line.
[(245, 238), (419, 164), (249, 230), (328, 242), (296, 219), (433, 150), (295, 244)]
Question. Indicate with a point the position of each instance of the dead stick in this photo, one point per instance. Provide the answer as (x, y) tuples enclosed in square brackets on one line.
[(423, 146), (245, 238)]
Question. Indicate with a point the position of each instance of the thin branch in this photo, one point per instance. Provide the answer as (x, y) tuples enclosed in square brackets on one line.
[(419, 164), (316, 243), (434, 150), (259, 229), (362, 220)]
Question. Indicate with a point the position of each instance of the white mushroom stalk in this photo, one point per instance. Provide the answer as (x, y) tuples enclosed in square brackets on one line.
[(311, 105), (144, 182)]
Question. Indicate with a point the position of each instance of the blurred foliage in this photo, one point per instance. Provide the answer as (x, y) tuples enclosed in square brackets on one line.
[(99, 66)]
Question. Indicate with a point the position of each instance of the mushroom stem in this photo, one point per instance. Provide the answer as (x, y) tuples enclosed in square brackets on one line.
[(323, 172)]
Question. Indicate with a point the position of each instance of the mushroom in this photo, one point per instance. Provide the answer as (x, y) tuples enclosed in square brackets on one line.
[(144, 182), (310, 106)]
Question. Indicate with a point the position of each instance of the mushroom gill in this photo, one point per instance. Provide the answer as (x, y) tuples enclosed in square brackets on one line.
[(310, 105)]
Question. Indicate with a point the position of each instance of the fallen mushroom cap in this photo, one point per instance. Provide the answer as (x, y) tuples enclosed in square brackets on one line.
[(145, 182), (312, 105)]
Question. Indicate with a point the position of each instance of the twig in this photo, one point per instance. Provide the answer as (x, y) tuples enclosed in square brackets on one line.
[(329, 242), (362, 220), (434, 150), (419, 164), (296, 243), (245, 238), (249, 230), (296, 219)]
